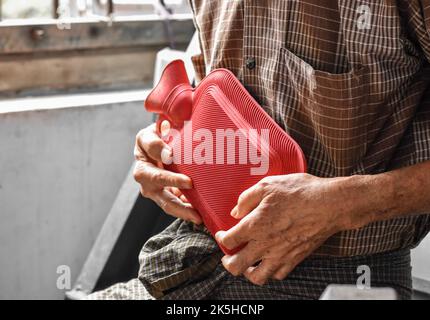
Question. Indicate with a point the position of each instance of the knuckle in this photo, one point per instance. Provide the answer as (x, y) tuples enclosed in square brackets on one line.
[(232, 268), (145, 193), (141, 172), (136, 152), (241, 198), (230, 242), (272, 268), (264, 180), (138, 172), (264, 207), (154, 147), (235, 271), (139, 135), (279, 276), (224, 241), (257, 280), (156, 177), (264, 183), (276, 276), (254, 223)]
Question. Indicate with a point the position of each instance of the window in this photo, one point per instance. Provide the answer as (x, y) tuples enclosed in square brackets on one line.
[(21, 9), (86, 45)]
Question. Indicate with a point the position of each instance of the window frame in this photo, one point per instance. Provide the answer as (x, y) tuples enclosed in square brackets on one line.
[(126, 45)]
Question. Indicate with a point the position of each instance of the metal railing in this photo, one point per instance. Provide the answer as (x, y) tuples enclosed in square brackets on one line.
[(105, 8)]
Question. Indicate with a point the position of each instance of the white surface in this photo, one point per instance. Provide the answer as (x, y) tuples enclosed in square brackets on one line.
[(421, 260), (60, 172), (350, 292), (165, 56), (71, 101)]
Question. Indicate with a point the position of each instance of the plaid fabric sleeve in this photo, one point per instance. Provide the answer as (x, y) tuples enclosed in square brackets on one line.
[(416, 14)]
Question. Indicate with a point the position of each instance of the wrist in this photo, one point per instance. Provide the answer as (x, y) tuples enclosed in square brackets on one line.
[(362, 199)]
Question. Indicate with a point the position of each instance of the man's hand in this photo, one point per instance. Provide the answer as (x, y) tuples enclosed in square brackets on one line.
[(285, 218), (158, 184)]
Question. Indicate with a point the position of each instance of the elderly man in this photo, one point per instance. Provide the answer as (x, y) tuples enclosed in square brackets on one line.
[(350, 82)]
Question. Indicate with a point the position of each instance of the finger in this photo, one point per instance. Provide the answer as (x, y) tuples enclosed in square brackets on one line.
[(179, 194), (245, 258), (174, 206), (247, 201), (151, 176), (175, 191), (184, 199), (153, 146), (293, 258), (283, 271), (260, 274), (241, 233), (285, 268), (139, 152)]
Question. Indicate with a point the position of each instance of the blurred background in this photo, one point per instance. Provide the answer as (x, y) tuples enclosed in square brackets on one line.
[(73, 78)]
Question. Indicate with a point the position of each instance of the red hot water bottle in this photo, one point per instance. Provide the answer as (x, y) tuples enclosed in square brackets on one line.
[(222, 139)]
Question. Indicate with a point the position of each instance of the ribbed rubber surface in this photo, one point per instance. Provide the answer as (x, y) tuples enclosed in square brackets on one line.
[(221, 102)]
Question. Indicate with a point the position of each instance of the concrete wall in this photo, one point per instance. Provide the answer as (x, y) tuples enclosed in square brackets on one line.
[(60, 170)]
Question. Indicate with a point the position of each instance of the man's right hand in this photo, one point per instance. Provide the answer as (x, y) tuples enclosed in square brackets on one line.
[(158, 184)]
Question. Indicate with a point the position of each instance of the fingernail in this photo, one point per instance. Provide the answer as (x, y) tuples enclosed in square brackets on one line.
[(196, 221), (219, 235), (185, 183), (166, 156), (226, 259), (234, 212)]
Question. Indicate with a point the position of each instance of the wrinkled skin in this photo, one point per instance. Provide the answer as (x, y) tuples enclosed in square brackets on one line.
[(158, 184), (285, 218)]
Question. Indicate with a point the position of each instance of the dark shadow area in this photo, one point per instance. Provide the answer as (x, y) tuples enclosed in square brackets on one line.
[(145, 220)]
